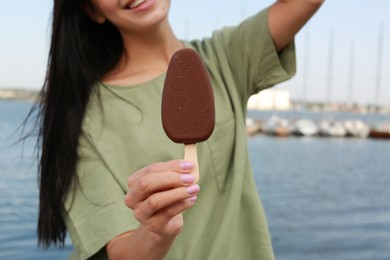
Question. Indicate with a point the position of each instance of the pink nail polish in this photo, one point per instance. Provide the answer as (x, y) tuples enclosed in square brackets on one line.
[(187, 178), (184, 165), (193, 199), (193, 189)]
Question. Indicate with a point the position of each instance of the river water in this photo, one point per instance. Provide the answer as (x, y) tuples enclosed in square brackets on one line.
[(325, 198)]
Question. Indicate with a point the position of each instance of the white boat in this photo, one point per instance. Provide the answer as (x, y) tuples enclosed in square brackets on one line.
[(277, 126), (305, 127), (356, 128), (253, 127), (332, 128)]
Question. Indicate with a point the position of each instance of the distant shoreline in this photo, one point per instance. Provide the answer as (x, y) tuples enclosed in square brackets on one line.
[(31, 95), (19, 94)]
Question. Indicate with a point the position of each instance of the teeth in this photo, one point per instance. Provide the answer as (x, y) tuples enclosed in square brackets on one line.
[(136, 3)]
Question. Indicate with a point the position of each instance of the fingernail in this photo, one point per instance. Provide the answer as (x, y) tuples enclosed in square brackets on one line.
[(184, 165), (192, 199), (187, 178), (193, 189)]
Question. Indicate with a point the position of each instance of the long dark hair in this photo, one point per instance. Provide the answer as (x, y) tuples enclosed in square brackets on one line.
[(81, 52)]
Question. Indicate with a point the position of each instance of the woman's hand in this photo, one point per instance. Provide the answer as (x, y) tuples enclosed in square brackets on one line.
[(159, 193)]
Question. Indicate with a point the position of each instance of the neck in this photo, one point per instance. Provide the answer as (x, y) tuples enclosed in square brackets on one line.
[(146, 55)]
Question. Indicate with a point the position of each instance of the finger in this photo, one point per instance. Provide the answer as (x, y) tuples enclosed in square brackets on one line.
[(161, 200), (157, 182), (169, 212), (179, 166), (161, 181), (164, 222)]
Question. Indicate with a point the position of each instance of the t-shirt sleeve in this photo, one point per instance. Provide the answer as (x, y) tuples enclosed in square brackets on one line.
[(248, 54), (95, 208)]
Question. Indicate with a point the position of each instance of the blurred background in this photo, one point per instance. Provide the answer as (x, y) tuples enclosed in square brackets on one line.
[(340, 34), (319, 143)]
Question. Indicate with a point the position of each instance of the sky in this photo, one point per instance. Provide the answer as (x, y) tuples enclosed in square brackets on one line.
[(337, 51)]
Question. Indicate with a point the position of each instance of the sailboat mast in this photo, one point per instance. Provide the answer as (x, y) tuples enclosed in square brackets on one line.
[(351, 74), (379, 64), (330, 67), (305, 69), (187, 29)]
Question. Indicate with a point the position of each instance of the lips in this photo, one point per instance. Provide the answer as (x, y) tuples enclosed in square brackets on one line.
[(135, 4)]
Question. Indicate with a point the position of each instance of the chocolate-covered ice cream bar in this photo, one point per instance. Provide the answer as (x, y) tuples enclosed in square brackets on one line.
[(188, 114)]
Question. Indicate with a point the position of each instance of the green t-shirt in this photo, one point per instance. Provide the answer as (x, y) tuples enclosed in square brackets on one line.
[(122, 132)]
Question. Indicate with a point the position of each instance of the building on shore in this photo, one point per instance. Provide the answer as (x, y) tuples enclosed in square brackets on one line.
[(7, 94), (270, 99), (20, 94)]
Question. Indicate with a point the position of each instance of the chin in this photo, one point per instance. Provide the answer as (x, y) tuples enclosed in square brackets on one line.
[(156, 18)]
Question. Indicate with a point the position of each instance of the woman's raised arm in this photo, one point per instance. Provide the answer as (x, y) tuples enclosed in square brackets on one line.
[(287, 17)]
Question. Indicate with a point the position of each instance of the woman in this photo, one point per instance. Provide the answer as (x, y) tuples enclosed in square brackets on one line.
[(109, 175)]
